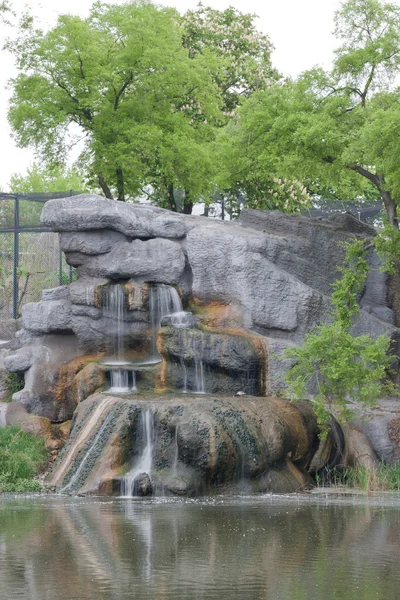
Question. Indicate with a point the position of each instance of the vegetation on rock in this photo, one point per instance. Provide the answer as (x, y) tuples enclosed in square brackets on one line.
[(339, 368)]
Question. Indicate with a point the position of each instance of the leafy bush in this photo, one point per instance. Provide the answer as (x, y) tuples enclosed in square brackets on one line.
[(21, 456), (342, 368)]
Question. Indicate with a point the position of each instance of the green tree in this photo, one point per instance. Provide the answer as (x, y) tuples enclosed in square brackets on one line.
[(335, 132), (43, 180), (245, 52), (341, 368), (123, 80)]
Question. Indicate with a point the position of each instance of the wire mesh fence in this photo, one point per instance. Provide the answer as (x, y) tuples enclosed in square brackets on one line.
[(30, 257)]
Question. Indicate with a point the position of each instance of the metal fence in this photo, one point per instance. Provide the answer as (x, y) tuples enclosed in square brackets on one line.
[(30, 257)]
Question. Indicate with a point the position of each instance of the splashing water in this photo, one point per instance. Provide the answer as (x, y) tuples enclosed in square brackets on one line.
[(164, 300), (144, 463)]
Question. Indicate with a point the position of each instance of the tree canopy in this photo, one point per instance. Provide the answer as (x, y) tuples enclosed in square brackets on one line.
[(144, 89), (336, 131)]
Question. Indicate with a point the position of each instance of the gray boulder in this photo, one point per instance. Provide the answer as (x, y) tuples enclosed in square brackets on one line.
[(157, 260), (47, 316), (90, 242), (87, 212)]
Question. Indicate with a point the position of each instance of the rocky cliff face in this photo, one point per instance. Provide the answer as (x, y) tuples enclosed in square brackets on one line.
[(254, 286)]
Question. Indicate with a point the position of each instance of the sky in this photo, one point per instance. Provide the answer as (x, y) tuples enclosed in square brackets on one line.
[(300, 30)]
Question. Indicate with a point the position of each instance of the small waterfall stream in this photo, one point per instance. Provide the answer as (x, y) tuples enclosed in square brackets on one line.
[(144, 462), (163, 300), (200, 386)]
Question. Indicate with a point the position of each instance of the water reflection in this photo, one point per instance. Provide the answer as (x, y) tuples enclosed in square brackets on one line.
[(254, 548)]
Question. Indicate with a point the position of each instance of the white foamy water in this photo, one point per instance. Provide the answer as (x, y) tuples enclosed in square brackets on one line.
[(144, 462)]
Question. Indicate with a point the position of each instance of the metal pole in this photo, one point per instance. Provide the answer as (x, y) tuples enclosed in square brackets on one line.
[(60, 268), (16, 258)]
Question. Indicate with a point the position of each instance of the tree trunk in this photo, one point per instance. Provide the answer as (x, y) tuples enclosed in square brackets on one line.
[(171, 197), (104, 187), (206, 211), (391, 208), (120, 185), (187, 206)]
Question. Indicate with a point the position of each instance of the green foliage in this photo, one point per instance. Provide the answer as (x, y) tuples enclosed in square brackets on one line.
[(145, 88), (14, 383), (21, 456), (384, 478), (44, 179), (387, 245), (342, 368), (233, 37), (337, 132), (20, 486)]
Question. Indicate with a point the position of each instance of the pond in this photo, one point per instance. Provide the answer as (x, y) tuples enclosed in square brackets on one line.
[(224, 548)]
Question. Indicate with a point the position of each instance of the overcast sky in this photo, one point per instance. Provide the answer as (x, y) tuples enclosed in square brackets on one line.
[(301, 31)]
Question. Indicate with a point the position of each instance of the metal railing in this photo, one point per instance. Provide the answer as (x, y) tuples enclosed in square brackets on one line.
[(30, 258)]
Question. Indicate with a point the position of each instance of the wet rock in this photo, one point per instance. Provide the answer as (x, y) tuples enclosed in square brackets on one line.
[(86, 291), (87, 381), (200, 444), (144, 487)]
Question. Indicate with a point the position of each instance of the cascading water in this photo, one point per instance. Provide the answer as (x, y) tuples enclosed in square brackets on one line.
[(200, 387), (83, 437), (164, 300), (144, 462), (115, 310)]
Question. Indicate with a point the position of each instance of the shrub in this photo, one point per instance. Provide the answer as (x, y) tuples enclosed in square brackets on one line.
[(21, 457)]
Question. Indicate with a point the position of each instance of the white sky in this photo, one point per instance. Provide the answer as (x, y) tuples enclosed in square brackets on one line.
[(301, 31)]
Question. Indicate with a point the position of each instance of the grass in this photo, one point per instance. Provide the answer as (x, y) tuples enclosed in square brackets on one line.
[(384, 478), (21, 457)]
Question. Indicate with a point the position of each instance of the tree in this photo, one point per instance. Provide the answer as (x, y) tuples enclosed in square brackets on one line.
[(123, 82), (343, 369), (245, 52), (336, 132), (42, 180)]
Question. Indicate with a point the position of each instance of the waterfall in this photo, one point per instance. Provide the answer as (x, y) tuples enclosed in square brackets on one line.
[(182, 320), (164, 300), (176, 453), (120, 381), (115, 309), (199, 377), (93, 443), (83, 436), (144, 462)]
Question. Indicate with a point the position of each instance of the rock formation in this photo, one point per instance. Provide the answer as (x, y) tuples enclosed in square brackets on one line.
[(240, 293)]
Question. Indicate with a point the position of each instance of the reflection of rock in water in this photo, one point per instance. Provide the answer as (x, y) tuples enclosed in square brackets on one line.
[(229, 548)]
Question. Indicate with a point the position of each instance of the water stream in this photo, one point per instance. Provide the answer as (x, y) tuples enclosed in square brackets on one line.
[(164, 300), (145, 459)]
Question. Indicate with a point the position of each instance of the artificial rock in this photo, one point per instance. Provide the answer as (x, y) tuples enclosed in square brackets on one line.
[(255, 286)]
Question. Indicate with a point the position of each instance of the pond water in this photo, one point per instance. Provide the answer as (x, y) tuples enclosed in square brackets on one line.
[(227, 548)]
